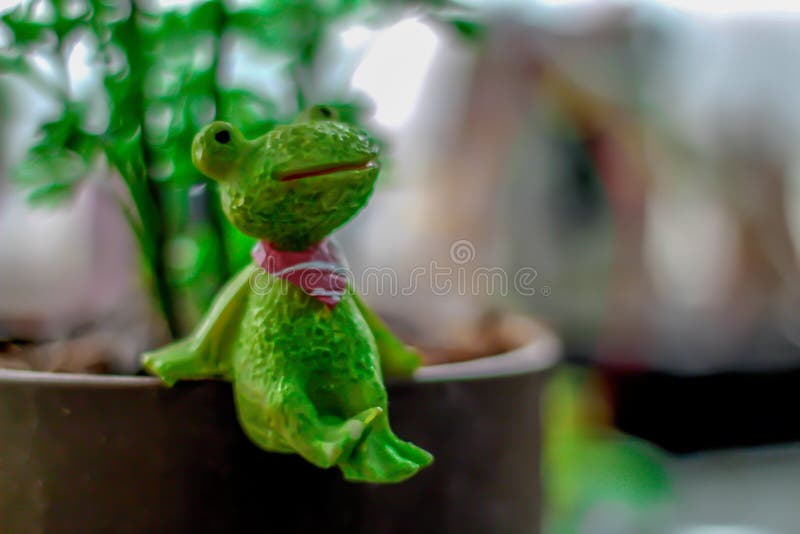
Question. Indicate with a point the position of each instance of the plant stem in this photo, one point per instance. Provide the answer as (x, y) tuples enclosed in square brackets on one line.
[(144, 192), (156, 229)]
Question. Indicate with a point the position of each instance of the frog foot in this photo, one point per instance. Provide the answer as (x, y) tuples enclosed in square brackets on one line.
[(382, 457), (331, 441)]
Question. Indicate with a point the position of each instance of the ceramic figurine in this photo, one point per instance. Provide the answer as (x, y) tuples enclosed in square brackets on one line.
[(302, 350)]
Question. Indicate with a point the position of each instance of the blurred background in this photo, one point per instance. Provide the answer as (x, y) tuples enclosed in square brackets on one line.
[(637, 158)]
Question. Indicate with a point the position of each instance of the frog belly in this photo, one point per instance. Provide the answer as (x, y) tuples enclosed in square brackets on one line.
[(287, 335), (292, 345)]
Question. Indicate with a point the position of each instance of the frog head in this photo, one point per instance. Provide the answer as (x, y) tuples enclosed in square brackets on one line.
[(296, 183)]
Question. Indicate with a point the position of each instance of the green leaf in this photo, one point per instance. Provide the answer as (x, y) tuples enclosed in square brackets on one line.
[(58, 161), (58, 166), (469, 29), (50, 195)]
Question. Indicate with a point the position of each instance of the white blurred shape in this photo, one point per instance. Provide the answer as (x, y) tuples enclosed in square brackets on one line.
[(355, 36), (726, 7), (43, 12), (265, 73), (394, 69), (690, 248), (8, 5), (48, 256), (577, 3), (79, 67), (165, 5), (47, 66), (723, 529)]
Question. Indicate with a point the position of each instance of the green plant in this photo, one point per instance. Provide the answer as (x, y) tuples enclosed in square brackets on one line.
[(161, 74)]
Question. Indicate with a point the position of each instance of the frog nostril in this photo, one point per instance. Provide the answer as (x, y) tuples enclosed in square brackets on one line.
[(222, 136)]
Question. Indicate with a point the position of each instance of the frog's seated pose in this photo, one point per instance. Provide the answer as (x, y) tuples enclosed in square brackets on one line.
[(302, 350)]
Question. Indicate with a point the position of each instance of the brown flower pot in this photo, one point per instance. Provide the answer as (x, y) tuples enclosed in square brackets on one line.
[(93, 453)]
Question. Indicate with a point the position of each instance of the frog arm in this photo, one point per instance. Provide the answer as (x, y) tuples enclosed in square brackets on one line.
[(397, 358), (201, 355)]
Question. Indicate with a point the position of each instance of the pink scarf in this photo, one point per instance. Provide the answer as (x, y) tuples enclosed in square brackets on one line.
[(318, 270)]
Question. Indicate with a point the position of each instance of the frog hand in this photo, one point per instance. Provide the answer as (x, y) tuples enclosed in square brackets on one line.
[(200, 355), (398, 359), (177, 361)]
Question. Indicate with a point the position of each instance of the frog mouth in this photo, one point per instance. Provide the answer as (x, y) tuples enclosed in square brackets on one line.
[(313, 172)]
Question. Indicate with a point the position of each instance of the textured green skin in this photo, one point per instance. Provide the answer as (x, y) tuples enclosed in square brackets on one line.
[(307, 379)]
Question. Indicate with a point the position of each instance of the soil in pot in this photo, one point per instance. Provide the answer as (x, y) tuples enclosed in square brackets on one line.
[(492, 333)]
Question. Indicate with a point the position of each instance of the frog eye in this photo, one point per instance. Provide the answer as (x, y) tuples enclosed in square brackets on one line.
[(223, 137), (325, 113)]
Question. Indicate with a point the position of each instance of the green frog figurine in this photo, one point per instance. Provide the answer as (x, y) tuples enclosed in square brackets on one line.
[(303, 351)]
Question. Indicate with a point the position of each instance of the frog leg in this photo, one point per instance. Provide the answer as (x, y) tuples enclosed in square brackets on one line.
[(201, 354), (285, 419), (397, 358)]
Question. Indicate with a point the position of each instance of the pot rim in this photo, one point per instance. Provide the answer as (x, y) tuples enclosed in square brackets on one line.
[(541, 353)]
